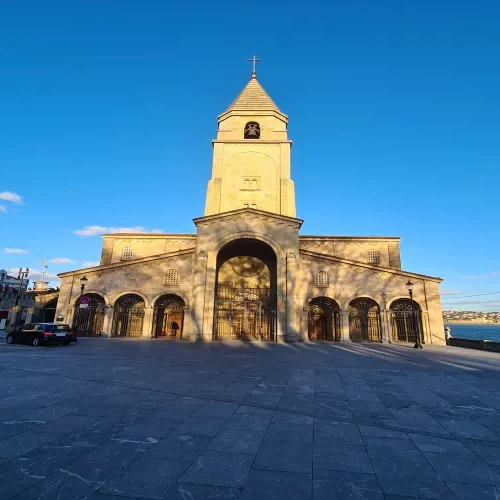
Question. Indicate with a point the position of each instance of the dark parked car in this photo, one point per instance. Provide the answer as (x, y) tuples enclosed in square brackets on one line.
[(38, 334)]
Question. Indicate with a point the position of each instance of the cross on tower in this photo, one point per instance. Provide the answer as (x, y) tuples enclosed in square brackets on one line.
[(254, 60)]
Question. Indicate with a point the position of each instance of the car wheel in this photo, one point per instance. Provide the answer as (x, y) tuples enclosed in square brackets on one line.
[(9, 339), (36, 342)]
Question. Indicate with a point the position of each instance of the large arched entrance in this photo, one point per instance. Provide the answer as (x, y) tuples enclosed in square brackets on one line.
[(323, 319), (90, 310), (129, 316), (364, 321), (405, 321), (245, 291), (168, 317)]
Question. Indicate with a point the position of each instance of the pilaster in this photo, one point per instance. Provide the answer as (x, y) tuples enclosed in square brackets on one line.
[(344, 326)]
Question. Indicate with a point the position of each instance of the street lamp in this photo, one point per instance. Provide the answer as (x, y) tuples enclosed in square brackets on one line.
[(418, 344), (21, 276), (83, 282)]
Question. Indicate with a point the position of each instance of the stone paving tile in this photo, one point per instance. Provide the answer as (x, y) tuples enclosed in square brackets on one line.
[(216, 409), (474, 491), (285, 456), (145, 478), (151, 427), (237, 441), (61, 486), (255, 410), (370, 430), (334, 456), (281, 417), (468, 429), (418, 419), (394, 449), (20, 444), (249, 421), (336, 432), (184, 447), (68, 423), (457, 468), (340, 485), (289, 432), (410, 480), (201, 426), (431, 444), (187, 491), (489, 454), (219, 469), (272, 485), (14, 478)]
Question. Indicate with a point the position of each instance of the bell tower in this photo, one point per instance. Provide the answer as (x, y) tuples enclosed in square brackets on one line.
[(251, 156)]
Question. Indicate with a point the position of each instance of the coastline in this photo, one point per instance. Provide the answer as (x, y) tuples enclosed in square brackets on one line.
[(475, 323)]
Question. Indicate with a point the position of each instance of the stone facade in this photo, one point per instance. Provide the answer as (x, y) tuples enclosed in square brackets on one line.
[(247, 273)]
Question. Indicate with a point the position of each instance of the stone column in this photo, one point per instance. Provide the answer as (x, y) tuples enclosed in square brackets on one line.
[(304, 324), (199, 285), (107, 324), (344, 326), (385, 326), (147, 324), (291, 327)]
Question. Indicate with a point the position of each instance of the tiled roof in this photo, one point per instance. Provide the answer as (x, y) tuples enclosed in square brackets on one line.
[(253, 98)]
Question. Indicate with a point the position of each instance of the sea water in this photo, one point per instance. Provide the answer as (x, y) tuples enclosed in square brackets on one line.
[(476, 332)]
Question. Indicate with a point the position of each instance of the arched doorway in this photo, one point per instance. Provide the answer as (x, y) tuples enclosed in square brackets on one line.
[(168, 317), (245, 294), (129, 316), (90, 310), (323, 319), (364, 321), (405, 321)]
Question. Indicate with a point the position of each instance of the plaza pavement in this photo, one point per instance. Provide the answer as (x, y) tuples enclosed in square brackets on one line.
[(116, 419)]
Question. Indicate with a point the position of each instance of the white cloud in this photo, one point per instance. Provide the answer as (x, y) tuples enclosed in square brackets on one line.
[(3, 209), (90, 263), (98, 230), (61, 260), (12, 197), (15, 250)]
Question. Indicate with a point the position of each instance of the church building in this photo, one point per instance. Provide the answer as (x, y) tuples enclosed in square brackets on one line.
[(246, 272)]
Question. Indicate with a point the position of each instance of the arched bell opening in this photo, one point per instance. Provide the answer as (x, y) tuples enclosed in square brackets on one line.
[(168, 317), (88, 319), (405, 320), (324, 319), (364, 321), (128, 316), (245, 292)]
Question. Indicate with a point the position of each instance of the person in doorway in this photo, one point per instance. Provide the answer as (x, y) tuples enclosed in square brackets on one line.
[(173, 328)]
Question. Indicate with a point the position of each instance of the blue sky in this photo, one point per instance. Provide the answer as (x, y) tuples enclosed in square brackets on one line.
[(108, 109)]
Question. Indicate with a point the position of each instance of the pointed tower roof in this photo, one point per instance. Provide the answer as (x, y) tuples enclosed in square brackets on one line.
[(253, 98)]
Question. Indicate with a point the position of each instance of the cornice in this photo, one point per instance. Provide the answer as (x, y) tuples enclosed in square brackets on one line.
[(128, 262), (349, 262)]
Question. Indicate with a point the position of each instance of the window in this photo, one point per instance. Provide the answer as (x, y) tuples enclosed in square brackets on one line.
[(252, 130), (250, 183), (373, 256), (127, 253), (172, 277), (322, 279)]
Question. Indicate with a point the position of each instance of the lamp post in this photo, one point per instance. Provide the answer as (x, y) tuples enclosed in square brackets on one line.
[(418, 344), (83, 283), (21, 276)]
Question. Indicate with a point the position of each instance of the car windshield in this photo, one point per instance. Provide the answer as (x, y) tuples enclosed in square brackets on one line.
[(56, 328)]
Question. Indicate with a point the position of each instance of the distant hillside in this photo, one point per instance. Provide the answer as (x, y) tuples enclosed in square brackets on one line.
[(471, 317)]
